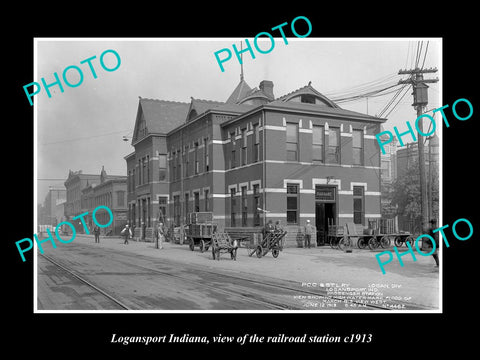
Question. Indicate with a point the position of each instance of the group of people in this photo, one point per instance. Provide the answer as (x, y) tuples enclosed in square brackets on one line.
[(308, 231), (158, 232)]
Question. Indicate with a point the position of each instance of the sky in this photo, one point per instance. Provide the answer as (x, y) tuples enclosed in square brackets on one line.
[(82, 128)]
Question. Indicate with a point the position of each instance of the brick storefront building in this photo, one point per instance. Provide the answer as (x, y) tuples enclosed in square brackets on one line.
[(255, 158)]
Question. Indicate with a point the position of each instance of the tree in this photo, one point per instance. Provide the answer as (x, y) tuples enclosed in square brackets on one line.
[(406, 193)]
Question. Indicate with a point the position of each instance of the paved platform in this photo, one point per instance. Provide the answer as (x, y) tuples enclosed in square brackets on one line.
[(416, 283)]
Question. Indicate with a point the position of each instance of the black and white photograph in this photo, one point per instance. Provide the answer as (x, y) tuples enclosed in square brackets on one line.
[(233, 185), (219, 181)]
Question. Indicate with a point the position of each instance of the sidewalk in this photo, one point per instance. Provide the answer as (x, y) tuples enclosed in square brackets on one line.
[(418, 280)]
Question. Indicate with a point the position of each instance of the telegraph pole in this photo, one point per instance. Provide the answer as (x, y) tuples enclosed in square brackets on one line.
[(420, 100)]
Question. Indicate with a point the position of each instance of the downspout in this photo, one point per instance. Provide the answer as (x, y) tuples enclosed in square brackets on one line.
[(264, 183)]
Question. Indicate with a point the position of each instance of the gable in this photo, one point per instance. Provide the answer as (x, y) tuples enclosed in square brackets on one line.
[(158, 117), (308, 95)]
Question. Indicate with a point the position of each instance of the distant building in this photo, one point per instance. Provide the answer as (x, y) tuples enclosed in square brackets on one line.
[(53, 205), (407, 156), (111, 191), (87, 191), (255, 158), (388, 175)]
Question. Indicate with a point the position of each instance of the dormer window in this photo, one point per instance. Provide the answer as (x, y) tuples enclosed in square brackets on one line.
[(307, 98)]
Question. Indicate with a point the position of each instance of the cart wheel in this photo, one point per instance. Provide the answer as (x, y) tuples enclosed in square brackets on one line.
[(372, 243), (410, 240), (362, 243), (398, 241), (333, 242), (342, 243), (385, 242), (191, 245), (275, 253), (202, 246), (259, 251), (213, 253)]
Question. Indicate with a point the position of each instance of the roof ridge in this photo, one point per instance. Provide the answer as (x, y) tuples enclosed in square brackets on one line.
[(161, 100), (291, 92), (206, 100)]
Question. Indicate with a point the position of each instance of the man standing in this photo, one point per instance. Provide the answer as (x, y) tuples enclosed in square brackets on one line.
[(308, 231), (433, 226), (126, 233), (160, 235), (96, 231)]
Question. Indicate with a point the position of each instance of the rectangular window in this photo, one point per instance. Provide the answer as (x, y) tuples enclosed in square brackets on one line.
[(256, 143), (256, 205), (197, 163), (385, 169), (179, 165), (205, 154), (232, 144), (187, 206), (162, 167), (244, 146), (358, 205), (333, 154), (139, 171), (357, 147), (196, 201), (244, 206), (232, 207), (292, 142), (206, 199), (318, 149), (292, 203), (162, 208), (147, 179), (144, 170), (176, 210), (120, 198), (186, 161)]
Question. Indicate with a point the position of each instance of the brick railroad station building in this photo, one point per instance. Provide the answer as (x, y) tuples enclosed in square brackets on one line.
[(254, 158)]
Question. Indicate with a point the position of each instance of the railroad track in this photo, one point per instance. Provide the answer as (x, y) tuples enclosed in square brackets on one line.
[(85, 281), (268, 304), (223, 284)]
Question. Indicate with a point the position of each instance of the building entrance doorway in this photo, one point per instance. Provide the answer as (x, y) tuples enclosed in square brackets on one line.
[(325, 211), (324, 215)]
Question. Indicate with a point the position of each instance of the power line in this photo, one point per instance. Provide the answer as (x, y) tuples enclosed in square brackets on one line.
[(393, 108), (84, 137), (425, 56), (370, 85)]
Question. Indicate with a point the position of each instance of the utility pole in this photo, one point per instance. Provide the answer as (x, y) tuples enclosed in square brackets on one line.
[(420, 100)]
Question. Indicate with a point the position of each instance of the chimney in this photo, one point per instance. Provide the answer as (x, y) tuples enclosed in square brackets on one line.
[(267, 87)]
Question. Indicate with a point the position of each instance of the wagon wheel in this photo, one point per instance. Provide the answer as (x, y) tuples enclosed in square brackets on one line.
[(362, 243), (202, 246), (410, 240), (372, 243), (333, 242), (259, 251), (191, 245), (213, 253), (342, 243), (398, 241), (385, 242), (275, 253)]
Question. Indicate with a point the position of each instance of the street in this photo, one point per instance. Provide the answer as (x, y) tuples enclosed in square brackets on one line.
[(83, 275)]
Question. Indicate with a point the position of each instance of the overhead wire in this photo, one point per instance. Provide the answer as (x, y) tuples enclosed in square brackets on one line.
[(85, 137)]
